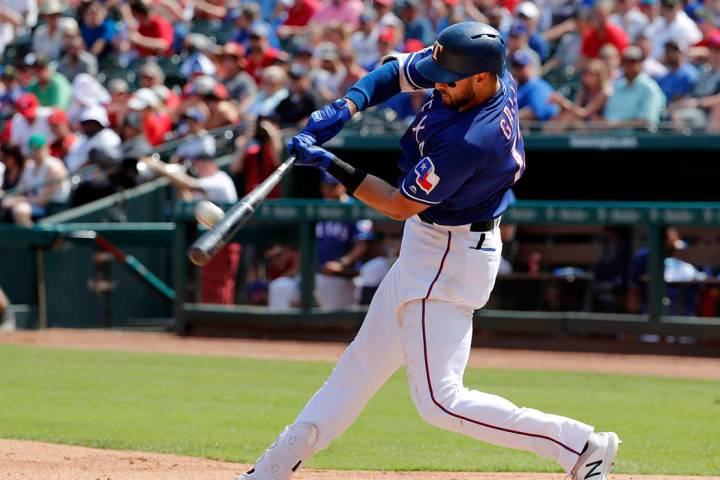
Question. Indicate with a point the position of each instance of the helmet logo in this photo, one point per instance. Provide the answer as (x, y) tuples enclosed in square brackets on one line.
[(437, 50)]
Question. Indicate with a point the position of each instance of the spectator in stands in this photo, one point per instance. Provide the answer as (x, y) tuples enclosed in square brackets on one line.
[(329, 84), (210, 9), (41, 183), (151, 76), (249, 18), (654, 68), (672, 24), (218, 276), (13, 162), (51, 88), (344, 11), (65, 140), (258, 156), (30, 118), (156, 122), (702, 108), (119, 96), (152, 35), (301, 100), (705, 20), (637, 101), (260, 54), (77, 60), (533, 92), (630, 18), (590, 99), (134, 142), (387, 39), (517, 37), (98, 31), (298, 17), (385, 16), (528, 13), (16, 17), (95, 134), (681, 77), (416, 26), (86, 92), (567, 51), (206, 90), (354, 71), (611, 58), (272, 91), (10, 91), (240, 86), (196, 140), (602, 32), (48, 38), (364, 41)]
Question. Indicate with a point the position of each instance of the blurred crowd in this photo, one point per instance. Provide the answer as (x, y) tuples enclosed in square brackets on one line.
[(98, 82)]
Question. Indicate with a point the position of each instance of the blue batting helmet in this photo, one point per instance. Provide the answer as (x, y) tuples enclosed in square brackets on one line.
[(462, 50)]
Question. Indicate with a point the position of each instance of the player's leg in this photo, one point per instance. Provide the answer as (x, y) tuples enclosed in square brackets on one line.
[(436, 341), (374, 355)]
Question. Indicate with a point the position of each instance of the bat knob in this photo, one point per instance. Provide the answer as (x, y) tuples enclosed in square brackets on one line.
[(198, 256)]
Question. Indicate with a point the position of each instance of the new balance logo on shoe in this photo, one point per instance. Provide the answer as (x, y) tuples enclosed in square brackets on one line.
[(592, 472)]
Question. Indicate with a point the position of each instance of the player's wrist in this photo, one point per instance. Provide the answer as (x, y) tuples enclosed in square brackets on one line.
[(346, 174)]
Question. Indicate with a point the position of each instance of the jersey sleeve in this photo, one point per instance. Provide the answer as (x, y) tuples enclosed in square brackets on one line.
[(410, 79), (438, 175)]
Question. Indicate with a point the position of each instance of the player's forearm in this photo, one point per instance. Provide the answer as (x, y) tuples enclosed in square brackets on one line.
[(376, 87), (383, 197)]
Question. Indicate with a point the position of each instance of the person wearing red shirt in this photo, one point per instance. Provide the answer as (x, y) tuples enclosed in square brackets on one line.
[(65, 140), (153, 35), (156, 123), (602, 32), (260, 53), (298, 16)]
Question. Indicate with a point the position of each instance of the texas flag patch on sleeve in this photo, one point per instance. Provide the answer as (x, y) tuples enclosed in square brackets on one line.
[(426, 178)]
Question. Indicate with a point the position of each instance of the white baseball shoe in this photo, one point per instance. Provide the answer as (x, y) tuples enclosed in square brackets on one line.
[(599, 457), (284, 457)]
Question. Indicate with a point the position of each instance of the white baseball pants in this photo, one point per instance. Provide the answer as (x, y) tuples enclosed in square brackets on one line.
[(421, 316)]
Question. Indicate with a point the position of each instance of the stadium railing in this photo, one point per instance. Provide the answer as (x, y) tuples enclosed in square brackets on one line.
[(303, 213)]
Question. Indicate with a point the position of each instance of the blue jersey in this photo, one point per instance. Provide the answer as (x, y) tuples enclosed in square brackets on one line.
[(461, 164), (335, 239)]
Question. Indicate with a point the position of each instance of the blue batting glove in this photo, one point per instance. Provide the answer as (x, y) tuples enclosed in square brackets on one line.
[(324, 124), (310, 155)]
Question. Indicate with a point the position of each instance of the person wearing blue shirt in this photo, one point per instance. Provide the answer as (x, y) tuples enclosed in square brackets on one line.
[(533, 92), (97, 30), (416, 26), (681, 77), (459, 158)]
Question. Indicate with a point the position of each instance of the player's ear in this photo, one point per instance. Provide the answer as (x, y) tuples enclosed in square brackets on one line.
[(482, 77)]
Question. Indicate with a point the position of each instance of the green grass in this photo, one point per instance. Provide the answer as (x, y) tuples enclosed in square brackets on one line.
[(230, 408)]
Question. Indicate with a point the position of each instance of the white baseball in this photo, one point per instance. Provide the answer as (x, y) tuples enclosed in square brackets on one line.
[(207, 213)]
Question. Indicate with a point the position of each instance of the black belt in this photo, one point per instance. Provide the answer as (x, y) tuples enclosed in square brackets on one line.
[(484, 226)]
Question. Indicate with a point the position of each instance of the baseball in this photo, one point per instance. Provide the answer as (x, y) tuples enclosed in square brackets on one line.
[(207, 213)]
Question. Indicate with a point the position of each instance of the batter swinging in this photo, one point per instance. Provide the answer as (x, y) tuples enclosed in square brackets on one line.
[(460, 157)]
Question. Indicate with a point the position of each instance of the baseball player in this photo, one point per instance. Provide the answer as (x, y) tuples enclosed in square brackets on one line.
[(460, 156)]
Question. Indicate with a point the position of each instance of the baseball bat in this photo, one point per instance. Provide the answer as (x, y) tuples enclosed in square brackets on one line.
[(205, 247)]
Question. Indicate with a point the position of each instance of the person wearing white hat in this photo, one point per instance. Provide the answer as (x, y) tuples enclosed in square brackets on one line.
[(96, 134), (156, 122), (529, 13), (47, 39)]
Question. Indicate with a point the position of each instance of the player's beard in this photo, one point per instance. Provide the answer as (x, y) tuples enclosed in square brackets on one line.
[(458, 97)]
